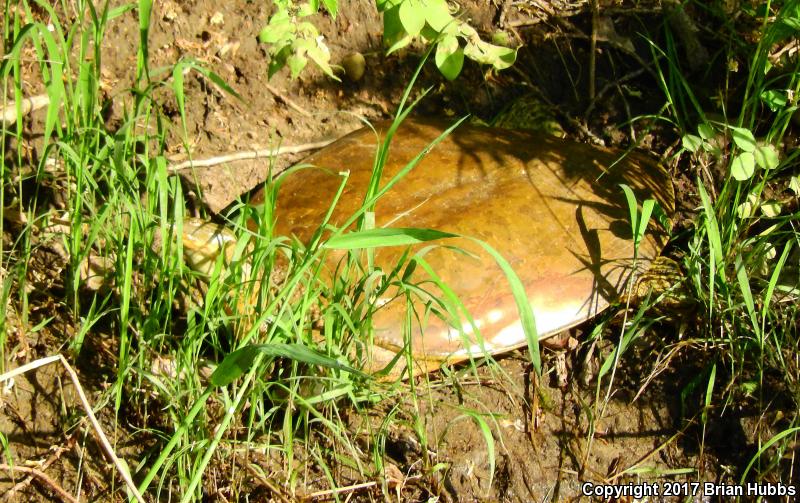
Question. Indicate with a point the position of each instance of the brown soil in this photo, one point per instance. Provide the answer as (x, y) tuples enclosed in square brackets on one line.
[(544, 443)]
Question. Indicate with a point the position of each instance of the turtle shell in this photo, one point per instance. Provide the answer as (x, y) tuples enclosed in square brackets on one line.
[(552, 207)]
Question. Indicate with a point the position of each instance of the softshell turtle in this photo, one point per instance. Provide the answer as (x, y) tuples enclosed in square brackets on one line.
[(552, 207)]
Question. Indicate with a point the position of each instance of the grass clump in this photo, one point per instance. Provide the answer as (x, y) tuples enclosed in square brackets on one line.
[(741, 251), (237, 369)]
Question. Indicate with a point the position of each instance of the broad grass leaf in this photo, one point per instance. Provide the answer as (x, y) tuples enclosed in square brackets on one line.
[(375, 238), (777, 438), (526, 317), (711, 226), (237, 363), (747, 295)]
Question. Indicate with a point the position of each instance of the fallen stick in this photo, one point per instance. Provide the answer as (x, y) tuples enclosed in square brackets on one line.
[(44, 466), (33, 472), (251, 154), (101, 436), (289, 102), (339, 490)]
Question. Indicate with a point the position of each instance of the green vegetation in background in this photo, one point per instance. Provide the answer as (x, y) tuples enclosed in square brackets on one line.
[(293, 42), (737, 259)]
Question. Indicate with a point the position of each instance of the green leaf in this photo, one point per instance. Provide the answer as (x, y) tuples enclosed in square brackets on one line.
[(775, 99), (488, 438), (278, 60), (743, 166), (296, 64), (705, 131), (526, 316), (394, 35), (771, 209), (412, 16), (485, 53), (272, 34), (384, 5), (278, 29), (320, 55), (449, 57), (237, 363), (777, 438), (216, 79), (691, 142), (709, 392), (766, 156), (400, 44), (375, 238), (748, 208), (794, 185), (437, 14), (747, 294), (792, 23), (332, 6), (307, 9), (711, 226), (743, 138)]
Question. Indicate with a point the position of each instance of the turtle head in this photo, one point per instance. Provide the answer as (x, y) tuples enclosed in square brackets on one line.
[(203, 241)]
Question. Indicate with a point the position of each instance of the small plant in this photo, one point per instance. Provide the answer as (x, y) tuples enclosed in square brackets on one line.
[(293, 41), (749, 152), (431, 20)]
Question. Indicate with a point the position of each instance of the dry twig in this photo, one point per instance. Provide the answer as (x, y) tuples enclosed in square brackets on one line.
[(44, 466), (33, 472), (251, 154), (291, 104), (340, 490), (101, 436), (267, 483)]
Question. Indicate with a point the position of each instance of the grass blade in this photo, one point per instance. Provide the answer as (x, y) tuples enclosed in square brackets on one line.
[(375, 238)]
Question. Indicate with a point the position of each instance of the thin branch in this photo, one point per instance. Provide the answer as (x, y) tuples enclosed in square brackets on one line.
[(267, 483), (248, 155), (297, 108), (44, 466), (101, 436), (339, 490), (33, 472)]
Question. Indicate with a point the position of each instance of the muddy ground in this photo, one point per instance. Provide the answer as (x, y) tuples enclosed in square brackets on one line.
[(543, 442)]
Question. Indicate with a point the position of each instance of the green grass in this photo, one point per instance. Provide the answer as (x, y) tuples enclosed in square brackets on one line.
[(270, 385), (736, 259), (276, 388)]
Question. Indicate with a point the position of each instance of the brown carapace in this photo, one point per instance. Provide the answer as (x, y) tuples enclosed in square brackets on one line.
[(553, 208)]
